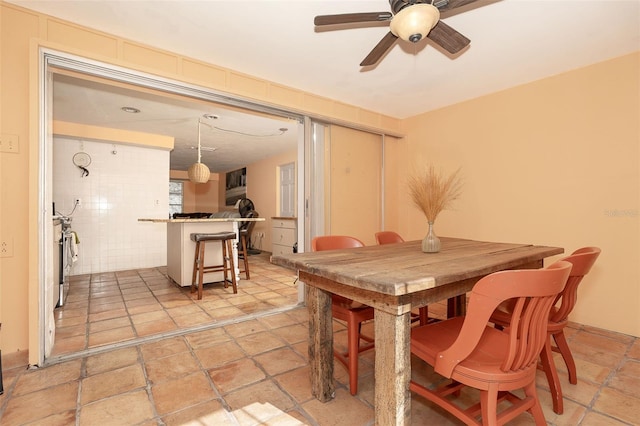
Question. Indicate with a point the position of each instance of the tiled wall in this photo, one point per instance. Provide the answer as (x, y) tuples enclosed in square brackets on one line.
[(125, 183)]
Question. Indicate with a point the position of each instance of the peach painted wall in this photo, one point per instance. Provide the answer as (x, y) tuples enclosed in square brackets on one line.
[(553, 162), (22, 33), (201, 197)]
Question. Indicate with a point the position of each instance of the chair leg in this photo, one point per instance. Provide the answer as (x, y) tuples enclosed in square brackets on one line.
[(551, 372), (195, 267), (245, 257), (536, 408), (563, 348), (228, 254), (489, 407), (201, 246), (424, 315), (353, 344)]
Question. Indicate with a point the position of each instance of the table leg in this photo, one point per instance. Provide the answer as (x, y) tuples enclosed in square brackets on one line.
[(320, 343), (393, 369)]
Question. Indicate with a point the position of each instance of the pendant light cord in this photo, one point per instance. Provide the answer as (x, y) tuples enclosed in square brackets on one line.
[(199, 155)]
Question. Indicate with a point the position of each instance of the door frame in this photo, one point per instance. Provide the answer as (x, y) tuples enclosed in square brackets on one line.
[(50, 60)]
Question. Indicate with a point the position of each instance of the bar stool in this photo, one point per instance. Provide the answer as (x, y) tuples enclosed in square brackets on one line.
[(245, 230), (227, 239), (243, 254)]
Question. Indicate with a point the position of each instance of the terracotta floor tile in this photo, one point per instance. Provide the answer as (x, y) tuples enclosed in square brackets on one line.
[(207, 413), (634, 351), (236, 374), (41, 404), (163, 348), (206, 338), (42, 378), (173, 395), (597, 419), (599, 349), (110, 324), (107, 307), (111, 383), (293, 333), (119, 312), (258, 343), (263, 414), (280, 360), (220, 354), (111, 336), (221, 314), (124, 409), (71, 331), (70, 345), (171, 367), (265, 393), (155, 327), (245, 328), (296, 383), (618, 405), (111, 360), (191, 320), (156, 315), (71, 321), (343, 410)]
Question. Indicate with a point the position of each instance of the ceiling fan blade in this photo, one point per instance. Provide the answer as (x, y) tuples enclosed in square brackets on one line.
[(347, 18), (453, 4), (448, 38), (381, 48)]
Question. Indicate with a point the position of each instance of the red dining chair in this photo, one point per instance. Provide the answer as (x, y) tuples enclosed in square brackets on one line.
[(471, 352), (344, 309), (582, 261), (391, 237)]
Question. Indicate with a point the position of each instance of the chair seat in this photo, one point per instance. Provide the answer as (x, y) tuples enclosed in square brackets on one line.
[(216, 236), (483, 365)]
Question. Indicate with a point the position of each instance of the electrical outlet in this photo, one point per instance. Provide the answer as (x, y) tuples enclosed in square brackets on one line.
[(9, 143), (6, 247)]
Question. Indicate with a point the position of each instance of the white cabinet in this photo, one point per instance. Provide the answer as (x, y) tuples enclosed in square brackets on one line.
[(283, 235)]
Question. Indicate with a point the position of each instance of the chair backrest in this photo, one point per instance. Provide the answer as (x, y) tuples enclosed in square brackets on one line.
[(582, 261), (388, 237), (534, 291), (334, 242)]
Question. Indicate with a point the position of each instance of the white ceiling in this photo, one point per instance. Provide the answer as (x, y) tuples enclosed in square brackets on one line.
[(238, 137), (512, 42)]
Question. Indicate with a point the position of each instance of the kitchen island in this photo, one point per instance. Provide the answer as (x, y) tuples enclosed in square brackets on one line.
[(181, 250)]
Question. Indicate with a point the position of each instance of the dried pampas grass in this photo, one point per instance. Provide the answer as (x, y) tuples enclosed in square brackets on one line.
[(432, 192)]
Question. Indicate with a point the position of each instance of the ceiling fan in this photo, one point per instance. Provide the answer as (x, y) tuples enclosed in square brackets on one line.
[(410, 20)]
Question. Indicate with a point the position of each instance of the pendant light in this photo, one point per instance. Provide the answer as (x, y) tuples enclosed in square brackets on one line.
[(198, 172)]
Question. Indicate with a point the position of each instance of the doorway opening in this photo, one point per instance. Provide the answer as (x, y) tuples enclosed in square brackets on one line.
[(54, 63)]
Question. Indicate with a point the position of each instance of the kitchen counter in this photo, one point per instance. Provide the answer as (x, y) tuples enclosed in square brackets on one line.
[(181, 250), (205, 220)]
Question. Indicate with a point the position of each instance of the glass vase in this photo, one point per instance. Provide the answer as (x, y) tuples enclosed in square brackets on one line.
[(431, 242)]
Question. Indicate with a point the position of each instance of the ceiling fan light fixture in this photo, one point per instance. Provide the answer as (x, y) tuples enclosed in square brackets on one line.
[(414, 22)]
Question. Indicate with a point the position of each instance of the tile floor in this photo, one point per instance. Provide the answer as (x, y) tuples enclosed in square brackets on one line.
[(141, 351)]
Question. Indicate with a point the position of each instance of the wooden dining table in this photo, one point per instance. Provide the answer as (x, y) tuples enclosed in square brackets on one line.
[(394, 279)]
